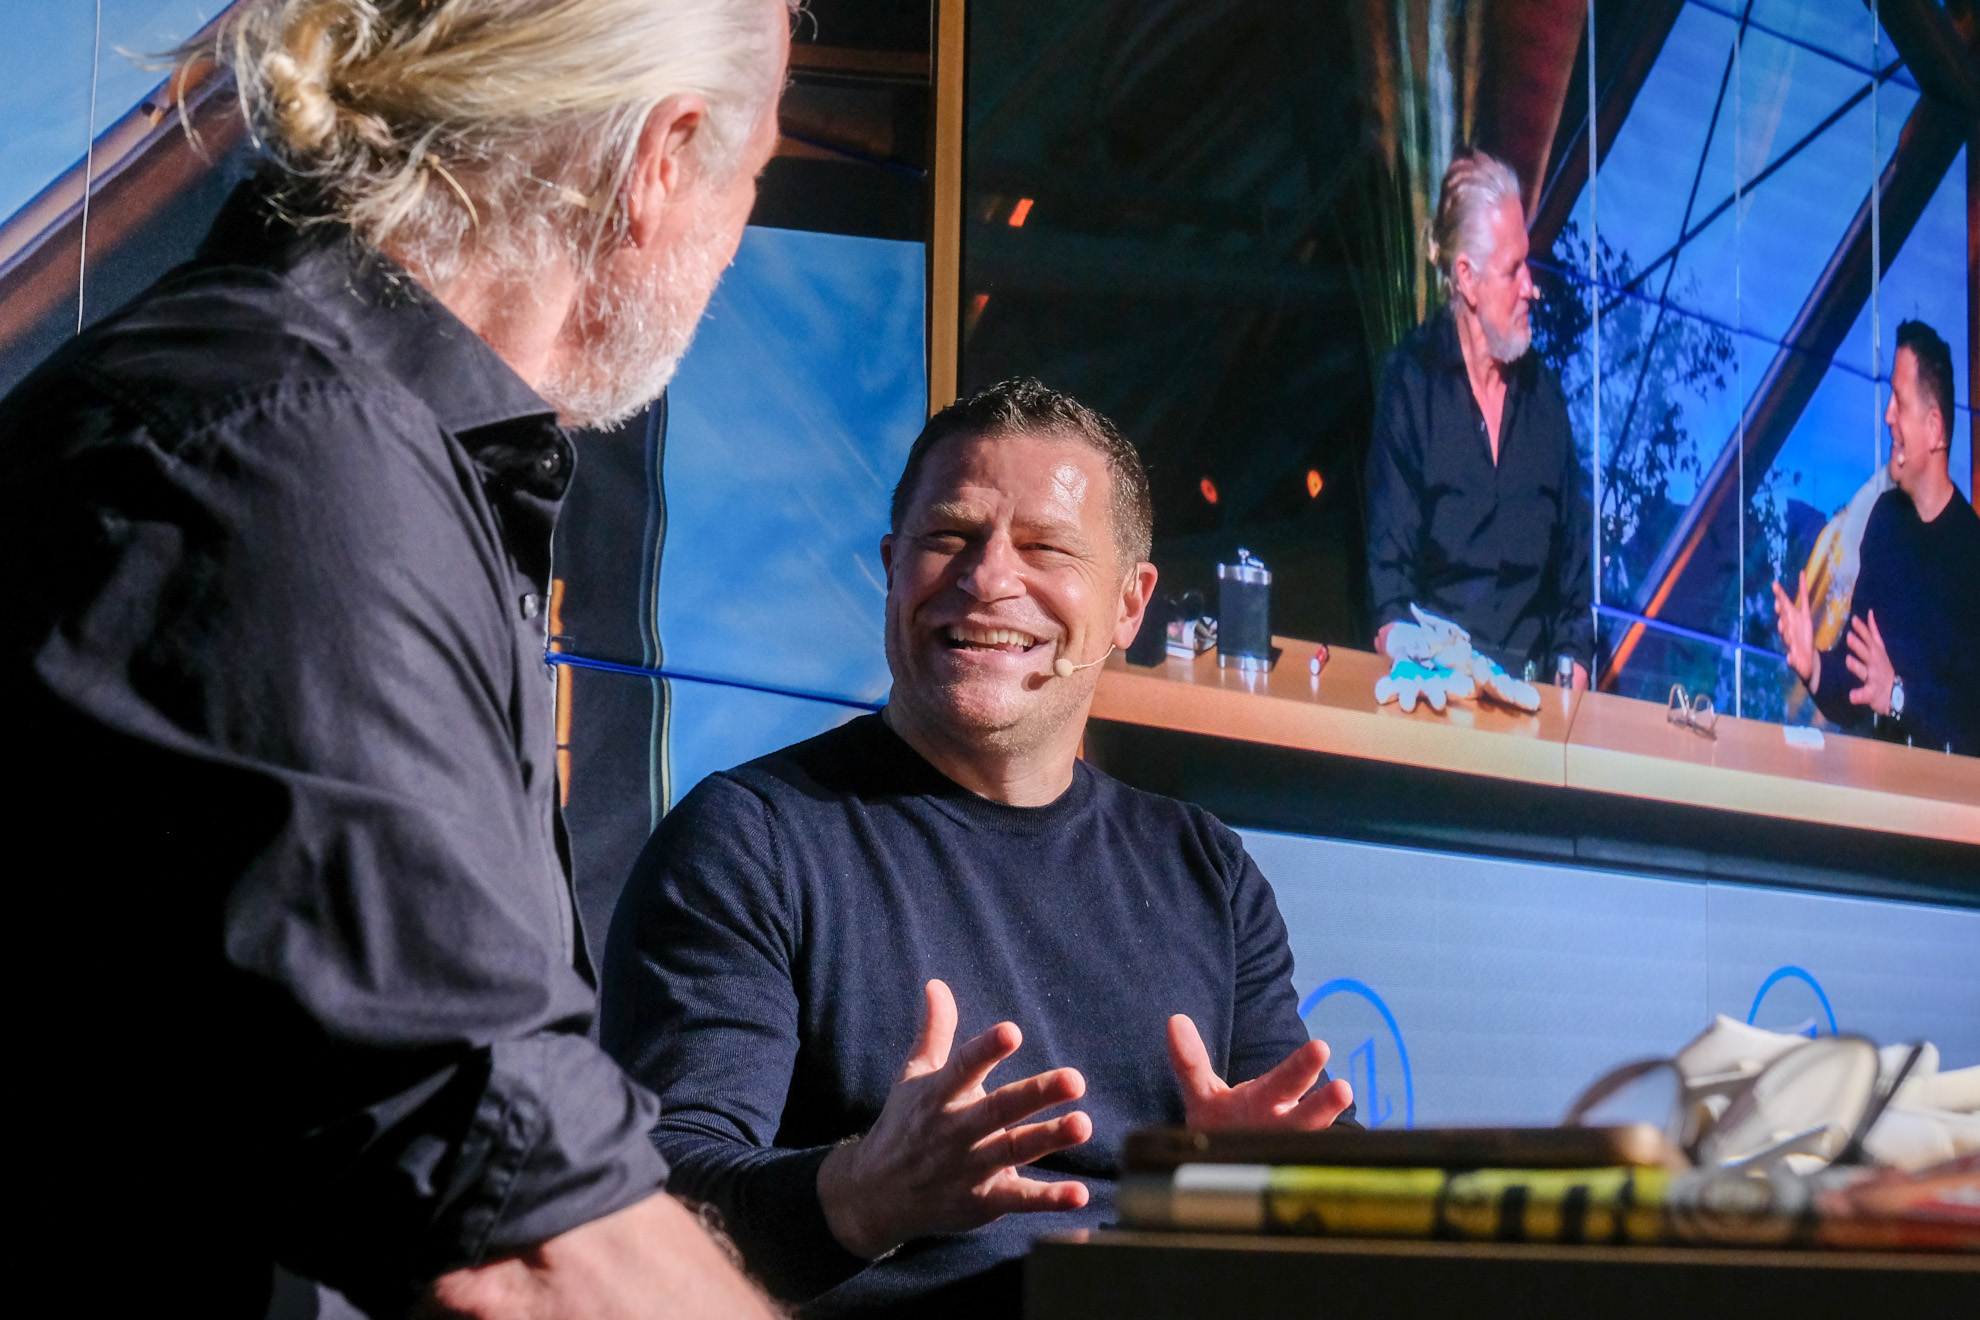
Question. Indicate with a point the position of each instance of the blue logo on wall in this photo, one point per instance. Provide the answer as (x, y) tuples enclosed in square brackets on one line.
[(1793, 1002), (1344, 1011)]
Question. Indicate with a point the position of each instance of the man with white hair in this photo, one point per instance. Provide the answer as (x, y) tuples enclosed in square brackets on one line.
[(1476, 506), (278, 536)]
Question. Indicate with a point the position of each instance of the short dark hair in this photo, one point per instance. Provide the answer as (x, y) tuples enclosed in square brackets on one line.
[(1023, 406), (1934, 367)]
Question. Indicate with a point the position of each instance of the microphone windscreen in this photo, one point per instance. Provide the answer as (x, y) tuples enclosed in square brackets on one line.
[(1062, 667)]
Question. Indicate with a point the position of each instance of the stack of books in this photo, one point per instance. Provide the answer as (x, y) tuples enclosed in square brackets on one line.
[(1615, 1185)]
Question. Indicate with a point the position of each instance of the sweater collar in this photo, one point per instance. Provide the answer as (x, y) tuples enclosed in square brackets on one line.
[(920, 778)]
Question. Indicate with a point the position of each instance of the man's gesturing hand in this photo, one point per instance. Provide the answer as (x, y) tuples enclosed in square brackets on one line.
[(1279, 1099), (944, 1156), (1869, 661), (1797, 624)]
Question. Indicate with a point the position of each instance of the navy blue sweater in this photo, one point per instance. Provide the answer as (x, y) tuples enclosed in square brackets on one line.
[(765, 967), (1923, 581)]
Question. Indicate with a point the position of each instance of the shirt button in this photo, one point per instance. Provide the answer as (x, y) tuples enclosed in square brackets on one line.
[(531, 603)]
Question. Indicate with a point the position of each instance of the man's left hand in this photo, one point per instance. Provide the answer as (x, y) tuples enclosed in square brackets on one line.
[(1871, 663), (1279, 1099)]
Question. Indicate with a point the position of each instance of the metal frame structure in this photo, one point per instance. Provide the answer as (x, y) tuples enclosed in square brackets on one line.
[(1946, 117), (945, 227)]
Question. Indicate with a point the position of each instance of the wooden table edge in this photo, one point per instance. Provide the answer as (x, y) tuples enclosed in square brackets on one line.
[(1753, 1257), (1598, 769), (1433, 745)]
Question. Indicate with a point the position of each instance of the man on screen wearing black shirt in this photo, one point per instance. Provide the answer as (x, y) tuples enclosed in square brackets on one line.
[(1476, 507), (947, 884), (1908, 669)]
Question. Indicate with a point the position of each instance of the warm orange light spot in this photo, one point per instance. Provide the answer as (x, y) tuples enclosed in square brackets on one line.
[(1209, 489), (978, 303), (1019, 212), (1313, 483)]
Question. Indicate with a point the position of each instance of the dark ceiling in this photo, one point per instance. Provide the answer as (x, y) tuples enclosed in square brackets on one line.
[(1189, 165)]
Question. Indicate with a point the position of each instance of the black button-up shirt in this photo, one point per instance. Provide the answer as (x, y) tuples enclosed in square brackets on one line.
[(1501, 549), (277, 536)]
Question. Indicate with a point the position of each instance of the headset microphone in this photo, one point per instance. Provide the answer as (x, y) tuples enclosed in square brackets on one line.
[(1064, 668)]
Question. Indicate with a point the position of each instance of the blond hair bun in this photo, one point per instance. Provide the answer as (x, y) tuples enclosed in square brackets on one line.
[(512, 104)]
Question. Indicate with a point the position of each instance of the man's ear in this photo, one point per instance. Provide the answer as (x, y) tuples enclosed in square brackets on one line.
[(1464, 277), (664, 165), (887, 558), (1136, 592)]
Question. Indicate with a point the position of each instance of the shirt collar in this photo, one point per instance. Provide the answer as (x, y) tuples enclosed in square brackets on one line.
[(391, 320), (1448, 353), (1444, 345)]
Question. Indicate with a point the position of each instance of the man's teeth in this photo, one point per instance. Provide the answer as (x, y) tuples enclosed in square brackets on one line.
[(992, 637)]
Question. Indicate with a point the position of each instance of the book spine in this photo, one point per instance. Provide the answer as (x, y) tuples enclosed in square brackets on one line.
[(1618, 1206)]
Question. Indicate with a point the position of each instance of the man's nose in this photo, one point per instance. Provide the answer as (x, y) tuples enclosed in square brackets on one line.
[(992, 572)]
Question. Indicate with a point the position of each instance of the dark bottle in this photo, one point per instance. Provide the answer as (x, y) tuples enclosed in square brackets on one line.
[(1244, 614)]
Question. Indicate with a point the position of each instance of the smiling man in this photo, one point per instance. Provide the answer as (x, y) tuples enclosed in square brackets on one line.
[(1908, 668), (807, 937)]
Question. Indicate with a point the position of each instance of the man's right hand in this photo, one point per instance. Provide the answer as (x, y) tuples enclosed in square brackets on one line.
[(650, 1260), (1797, 624), (944, 1156)]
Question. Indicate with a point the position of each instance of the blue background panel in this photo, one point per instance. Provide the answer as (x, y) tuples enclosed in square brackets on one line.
[(44, 96), (788, 423), (713, 728), (1512, 985), (45, 79)]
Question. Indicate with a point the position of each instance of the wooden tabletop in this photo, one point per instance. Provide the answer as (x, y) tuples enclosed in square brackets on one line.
[(1587, 740), (1337, 712)]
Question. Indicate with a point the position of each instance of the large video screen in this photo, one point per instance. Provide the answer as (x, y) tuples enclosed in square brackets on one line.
[(1207, 221)]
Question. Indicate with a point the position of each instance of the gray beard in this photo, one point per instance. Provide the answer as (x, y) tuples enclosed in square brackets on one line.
[(1508, 348), (635, 331)]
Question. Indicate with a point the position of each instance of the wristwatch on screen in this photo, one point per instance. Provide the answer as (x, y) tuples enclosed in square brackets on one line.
[(1897, 697)]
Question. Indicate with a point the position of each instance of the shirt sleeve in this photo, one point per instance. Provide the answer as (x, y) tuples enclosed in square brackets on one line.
[(700, 1004), (1265, 1023), (332, 912), (1574, 625), (1395, 493)]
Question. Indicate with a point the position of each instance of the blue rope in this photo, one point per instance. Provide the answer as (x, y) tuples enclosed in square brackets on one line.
[(1691, 633), (689, 676)]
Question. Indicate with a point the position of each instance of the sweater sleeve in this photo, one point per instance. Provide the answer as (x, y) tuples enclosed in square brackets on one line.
[(1265, 1023), (1395, 493), (1836, 683), (699, 1003), (1833, 689)]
